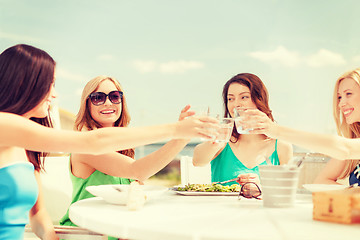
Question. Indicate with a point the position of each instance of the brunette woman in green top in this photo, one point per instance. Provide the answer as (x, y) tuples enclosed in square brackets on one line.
[(244, 152), (103, 104)]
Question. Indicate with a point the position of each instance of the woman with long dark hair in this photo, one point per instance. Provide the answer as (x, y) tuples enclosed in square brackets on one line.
[(26, 91), (242, 155)]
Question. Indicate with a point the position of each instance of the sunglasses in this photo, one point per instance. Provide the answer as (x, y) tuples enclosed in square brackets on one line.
[(99, 98), (250, 190)]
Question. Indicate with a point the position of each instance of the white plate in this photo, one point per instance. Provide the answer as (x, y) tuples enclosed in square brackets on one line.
[(323, 187), (187, 193), (194, 193), (111, 195)]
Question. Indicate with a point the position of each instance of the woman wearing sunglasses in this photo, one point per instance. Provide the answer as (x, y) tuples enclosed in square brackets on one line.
[(242, 155), (103, 105), (27, 89)]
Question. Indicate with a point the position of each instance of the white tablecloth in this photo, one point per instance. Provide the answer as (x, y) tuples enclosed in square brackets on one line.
[(207, 217)]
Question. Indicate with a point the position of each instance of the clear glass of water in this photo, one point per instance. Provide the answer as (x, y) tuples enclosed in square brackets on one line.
[(225, 130), (202, 110), (237, 118)]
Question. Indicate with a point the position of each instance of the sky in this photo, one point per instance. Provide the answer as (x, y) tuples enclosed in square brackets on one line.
[(167, 54)]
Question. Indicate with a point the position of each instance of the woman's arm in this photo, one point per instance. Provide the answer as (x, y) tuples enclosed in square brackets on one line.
[(331, 172), (40, 221), (335, 146), (119, 165), (18, 131), (331, 145), (205, 152)]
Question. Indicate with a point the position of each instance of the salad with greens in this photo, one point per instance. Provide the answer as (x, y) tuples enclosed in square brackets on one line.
[(209, 188)]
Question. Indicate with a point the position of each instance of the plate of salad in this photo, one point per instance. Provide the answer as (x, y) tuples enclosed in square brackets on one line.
[(207, 190)]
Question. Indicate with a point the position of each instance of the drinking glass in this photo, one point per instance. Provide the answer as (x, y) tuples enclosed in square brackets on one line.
[(202, 110), (226, 127), (238, 117)]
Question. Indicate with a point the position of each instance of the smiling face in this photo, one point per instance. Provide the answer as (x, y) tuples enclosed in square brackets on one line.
[(108, 113), (239, 96), (349, 100)]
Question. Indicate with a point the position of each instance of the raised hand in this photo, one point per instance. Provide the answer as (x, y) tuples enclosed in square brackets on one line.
[(196, 126), (258, 121), (186, 113)]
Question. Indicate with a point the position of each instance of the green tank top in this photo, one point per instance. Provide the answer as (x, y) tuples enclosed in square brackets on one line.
[(79, 191), (227, 166)]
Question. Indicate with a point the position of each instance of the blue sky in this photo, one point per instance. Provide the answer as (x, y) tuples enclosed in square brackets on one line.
[(167, 54)]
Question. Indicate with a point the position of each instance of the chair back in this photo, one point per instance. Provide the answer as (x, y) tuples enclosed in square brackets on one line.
[(56, 186), (192, 174), (57, 192)]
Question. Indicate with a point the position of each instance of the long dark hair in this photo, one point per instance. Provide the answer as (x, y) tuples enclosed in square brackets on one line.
[(258, 92), (26, 76)]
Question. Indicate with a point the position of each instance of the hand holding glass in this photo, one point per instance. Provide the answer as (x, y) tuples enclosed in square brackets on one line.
[(225, 130), (238, 112), (201, 111)]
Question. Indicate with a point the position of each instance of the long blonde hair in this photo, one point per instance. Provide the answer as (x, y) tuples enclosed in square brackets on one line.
[(84, 120), (344, 129)]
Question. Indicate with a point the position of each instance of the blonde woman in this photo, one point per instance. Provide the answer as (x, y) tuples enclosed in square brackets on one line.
[(27, 89), (346, 146), (103, 105)]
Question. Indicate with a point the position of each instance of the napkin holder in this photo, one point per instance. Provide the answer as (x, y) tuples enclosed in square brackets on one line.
[(340, 206)]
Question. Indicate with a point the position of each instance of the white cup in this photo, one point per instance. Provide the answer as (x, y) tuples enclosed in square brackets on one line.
[(225, 130), (278, 185)]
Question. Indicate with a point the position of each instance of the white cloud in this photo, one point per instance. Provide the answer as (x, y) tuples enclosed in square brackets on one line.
[(105, 57), (63, 73), (180, 66), (283, 56), (356, 59), (145, 66), (279, 55), (325, 57), (19, 38)]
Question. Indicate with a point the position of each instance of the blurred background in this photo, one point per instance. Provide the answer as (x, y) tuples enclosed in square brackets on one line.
[(167, 54)]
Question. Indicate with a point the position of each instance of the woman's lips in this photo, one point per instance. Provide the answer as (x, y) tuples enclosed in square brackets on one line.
[(107, 111), (347, 112)]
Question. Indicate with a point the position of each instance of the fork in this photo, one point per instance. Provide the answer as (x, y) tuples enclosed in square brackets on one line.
[(231, 180)]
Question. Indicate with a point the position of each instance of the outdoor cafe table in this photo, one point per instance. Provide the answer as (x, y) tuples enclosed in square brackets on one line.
[(174, 216)]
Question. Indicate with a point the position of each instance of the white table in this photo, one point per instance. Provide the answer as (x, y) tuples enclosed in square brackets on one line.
[(202, 217)]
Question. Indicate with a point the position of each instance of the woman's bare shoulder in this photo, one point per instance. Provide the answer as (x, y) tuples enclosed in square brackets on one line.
[(284, 146), (285, 151), (4, 116)]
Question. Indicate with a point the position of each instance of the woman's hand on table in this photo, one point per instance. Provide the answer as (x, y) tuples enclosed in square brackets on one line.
[(248, 177)]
